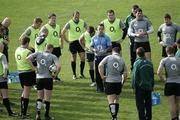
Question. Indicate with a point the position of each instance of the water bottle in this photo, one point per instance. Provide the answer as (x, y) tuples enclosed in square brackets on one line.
[(155, 98)]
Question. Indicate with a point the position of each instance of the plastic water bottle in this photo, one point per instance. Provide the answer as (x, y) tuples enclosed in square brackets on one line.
[(155, 98)]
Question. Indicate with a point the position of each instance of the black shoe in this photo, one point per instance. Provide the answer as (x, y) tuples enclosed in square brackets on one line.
[(49, 118), (27, 114), (99, 91), (13, 114), (114, 118), (25, 117), (58, 79), (38, 117), (82, 76)]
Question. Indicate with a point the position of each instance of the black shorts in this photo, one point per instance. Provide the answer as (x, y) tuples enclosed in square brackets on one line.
[(57, 51), (112, 88), (3, 85), (90, 57), (32, 49), (145, 45), (172, 89), (27, 78), (44, 83), (75, 47), (164, 51), (115, 44)]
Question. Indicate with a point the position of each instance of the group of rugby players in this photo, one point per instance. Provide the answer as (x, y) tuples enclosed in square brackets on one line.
[(40, 50)]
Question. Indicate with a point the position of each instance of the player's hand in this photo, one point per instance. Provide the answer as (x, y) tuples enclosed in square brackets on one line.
[(5, 42), (141, 34), (103, 77), (34, 69), (86, 49), (4, 76), (95, 50), (137, 35), (54, 76), (161, 43)]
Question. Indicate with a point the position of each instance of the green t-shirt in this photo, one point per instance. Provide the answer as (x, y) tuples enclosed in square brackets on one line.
[(178, 53), (20, 56)]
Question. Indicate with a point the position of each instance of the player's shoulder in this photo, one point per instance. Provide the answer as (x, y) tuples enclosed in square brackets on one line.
[(174, 24), (163, 25), (134, 20)]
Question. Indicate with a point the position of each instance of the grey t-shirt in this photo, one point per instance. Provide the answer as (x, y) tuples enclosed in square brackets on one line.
[(115, 67), (172, 69), (44, 60), (4, 63), (169, 33), (143, 25)]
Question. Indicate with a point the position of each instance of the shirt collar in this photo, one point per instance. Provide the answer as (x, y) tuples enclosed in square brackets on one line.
[(171, 55), (115, 54)]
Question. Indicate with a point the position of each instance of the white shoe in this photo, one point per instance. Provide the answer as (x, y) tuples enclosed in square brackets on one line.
[(74, 77), (93, 84)]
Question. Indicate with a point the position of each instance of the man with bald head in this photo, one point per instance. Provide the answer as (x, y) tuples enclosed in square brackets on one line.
[(5, 24), (143, 83)]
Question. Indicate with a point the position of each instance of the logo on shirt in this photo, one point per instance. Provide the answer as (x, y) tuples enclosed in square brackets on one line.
[(55, 34), (116, 65), (19, 57), (78, 29), (43, 62), (35, 36), (173, 67), (112, 29)]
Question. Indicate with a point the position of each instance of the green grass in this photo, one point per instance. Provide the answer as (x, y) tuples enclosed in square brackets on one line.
[(75, 100)]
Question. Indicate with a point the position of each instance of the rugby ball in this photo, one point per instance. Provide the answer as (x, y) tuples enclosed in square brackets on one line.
[(52, 68)]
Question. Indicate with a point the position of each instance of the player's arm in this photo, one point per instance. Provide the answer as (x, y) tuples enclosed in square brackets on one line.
[(159, 36), (6, 36), (123, 27), (58, 66), (131, 31), (27, 32), (160, 71), (150, 29), (85, 25), (109, 44), (101, 68), (124, 77), (82, 41), (92, 45), (5, 66), (64, 31), (61, 40), (30, 58)]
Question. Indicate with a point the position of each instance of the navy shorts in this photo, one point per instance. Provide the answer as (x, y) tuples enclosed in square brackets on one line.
[(75, 47), (57, 52), (90, 57), (145, 45), (172, 89), (44, 83), (27, 78), (3, 85), (112, 88)]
